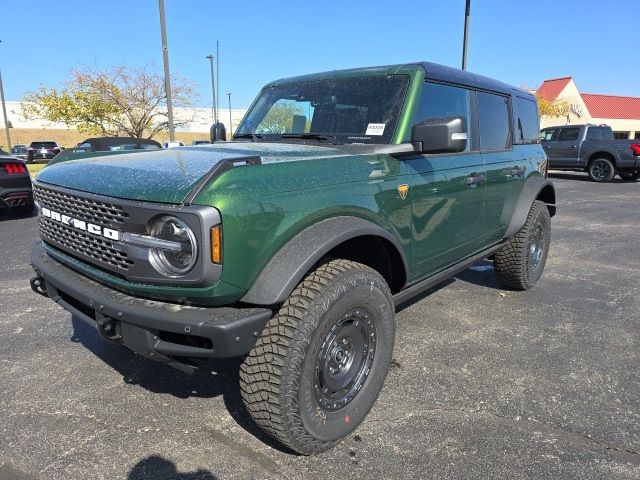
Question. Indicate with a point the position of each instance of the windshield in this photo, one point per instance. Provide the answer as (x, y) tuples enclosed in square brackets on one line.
[(341, 110)]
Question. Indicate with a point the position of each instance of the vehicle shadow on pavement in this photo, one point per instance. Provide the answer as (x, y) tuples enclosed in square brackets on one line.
[(213, 378), (157, 467), (580, 176), (481, 274), (8, 215)]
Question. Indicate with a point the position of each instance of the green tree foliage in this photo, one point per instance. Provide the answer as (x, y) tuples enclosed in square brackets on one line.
[(279, 119), (110, 102), (556, 108)]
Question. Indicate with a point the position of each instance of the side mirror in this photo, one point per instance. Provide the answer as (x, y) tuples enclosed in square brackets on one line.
[(440, 135), (217, 132)]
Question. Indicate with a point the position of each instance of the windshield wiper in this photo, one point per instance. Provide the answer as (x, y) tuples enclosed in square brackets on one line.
[(253, 136), (315, 136)]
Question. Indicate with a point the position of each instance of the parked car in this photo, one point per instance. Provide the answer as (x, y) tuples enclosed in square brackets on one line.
[(591, 149), (19, 151), (44, 150), (15, 185), (99, 146), (292, 245)]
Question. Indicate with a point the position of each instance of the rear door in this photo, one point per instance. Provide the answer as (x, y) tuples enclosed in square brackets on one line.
[(447, 190), (506, 168)]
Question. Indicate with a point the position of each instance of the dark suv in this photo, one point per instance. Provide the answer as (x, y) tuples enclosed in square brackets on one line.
[(44, 150)]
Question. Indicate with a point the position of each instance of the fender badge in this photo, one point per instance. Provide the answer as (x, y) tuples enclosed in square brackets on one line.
[(403, 190)]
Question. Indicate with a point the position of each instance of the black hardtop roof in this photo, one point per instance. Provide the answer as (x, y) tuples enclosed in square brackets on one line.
[(114, 141), (433, 71)]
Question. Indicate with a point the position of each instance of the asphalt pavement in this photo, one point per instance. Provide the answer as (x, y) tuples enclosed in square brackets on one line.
[(485, 383)]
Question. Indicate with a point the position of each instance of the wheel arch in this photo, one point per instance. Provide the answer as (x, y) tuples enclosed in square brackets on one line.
[(536, 188), (347, 237), (602, 154)]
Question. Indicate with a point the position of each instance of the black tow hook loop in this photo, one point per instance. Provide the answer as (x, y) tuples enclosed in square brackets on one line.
[(39, 286)]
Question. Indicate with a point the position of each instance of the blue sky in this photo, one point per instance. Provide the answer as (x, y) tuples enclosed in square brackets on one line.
[(521, 42)]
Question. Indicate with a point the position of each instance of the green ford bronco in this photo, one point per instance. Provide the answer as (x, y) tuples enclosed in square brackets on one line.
[(342, 195)]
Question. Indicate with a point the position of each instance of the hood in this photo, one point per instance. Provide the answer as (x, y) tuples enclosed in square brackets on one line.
[(169, 175)]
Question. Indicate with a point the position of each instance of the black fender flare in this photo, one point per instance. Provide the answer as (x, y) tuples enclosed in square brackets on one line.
[(289, 265), (529, 193)]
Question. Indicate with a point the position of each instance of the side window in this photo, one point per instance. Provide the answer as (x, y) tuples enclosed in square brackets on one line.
[(549, 134), (493, 116), (569, 134), (527, 125), (444, 101), (595, 133)]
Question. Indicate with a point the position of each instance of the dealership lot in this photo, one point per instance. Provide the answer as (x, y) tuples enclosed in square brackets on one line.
[(485, 383)]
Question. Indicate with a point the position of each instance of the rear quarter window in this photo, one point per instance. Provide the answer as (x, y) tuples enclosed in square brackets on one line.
[(493, 116), (527, 124)]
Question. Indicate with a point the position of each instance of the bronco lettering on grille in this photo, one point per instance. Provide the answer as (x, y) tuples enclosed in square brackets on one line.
[(81, 225)]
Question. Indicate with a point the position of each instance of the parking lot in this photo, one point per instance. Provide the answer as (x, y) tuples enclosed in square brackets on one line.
[(485, 383)]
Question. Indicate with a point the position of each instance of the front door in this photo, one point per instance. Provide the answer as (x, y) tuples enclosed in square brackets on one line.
[(447, 190), (447, 193), (566, 148)]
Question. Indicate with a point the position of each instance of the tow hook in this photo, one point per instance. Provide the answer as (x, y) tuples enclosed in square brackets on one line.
[(38, 285)]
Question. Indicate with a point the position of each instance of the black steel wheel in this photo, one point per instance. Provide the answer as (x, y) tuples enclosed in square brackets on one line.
[(631, 175), (601, 170), (320, 363)]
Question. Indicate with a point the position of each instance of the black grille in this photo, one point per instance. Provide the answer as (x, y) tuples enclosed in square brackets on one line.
[(78, 241), (94, 211)]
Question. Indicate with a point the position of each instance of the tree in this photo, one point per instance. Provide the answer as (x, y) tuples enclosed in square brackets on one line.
[(111, 102), (279, 119), (556, 108), (9, 124)]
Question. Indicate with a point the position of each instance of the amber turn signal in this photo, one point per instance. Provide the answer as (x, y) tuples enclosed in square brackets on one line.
[(216, 244)]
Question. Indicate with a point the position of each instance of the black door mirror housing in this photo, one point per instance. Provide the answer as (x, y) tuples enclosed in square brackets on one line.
[(440, 135)]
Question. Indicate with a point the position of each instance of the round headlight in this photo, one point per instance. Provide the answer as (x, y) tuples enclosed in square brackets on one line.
[(179, 256)]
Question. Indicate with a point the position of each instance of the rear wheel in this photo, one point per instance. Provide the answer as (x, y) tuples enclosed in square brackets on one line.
[(631, 175), (520, 263), (318, 367), (601, 170)]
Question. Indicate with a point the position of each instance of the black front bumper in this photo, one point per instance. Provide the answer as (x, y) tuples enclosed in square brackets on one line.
[(154, 329)]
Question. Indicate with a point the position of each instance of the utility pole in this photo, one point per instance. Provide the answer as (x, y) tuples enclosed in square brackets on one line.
[(214, 108), (467, 14), (167, 77), (218, 74), (4, 113), (230, 121)]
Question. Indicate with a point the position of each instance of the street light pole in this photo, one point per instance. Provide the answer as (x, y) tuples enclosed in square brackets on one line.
[(218, 74), (214, 108), (467, 14), (167, 77), (230, 121)]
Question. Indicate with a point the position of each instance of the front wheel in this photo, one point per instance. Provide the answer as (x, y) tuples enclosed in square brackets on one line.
[(520, 263), (601, 170), (320, 363), (631, 175)]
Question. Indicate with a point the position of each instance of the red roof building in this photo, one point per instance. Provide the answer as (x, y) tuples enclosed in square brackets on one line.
[(621, 113)]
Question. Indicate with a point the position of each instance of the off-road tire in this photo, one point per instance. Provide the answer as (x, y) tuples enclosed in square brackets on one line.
[(601, 170), (514, 263), (278, 378), (630, 175)]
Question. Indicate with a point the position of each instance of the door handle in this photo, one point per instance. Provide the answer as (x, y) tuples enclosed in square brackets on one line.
[(477, 180), (573, 146), (518, 172)]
